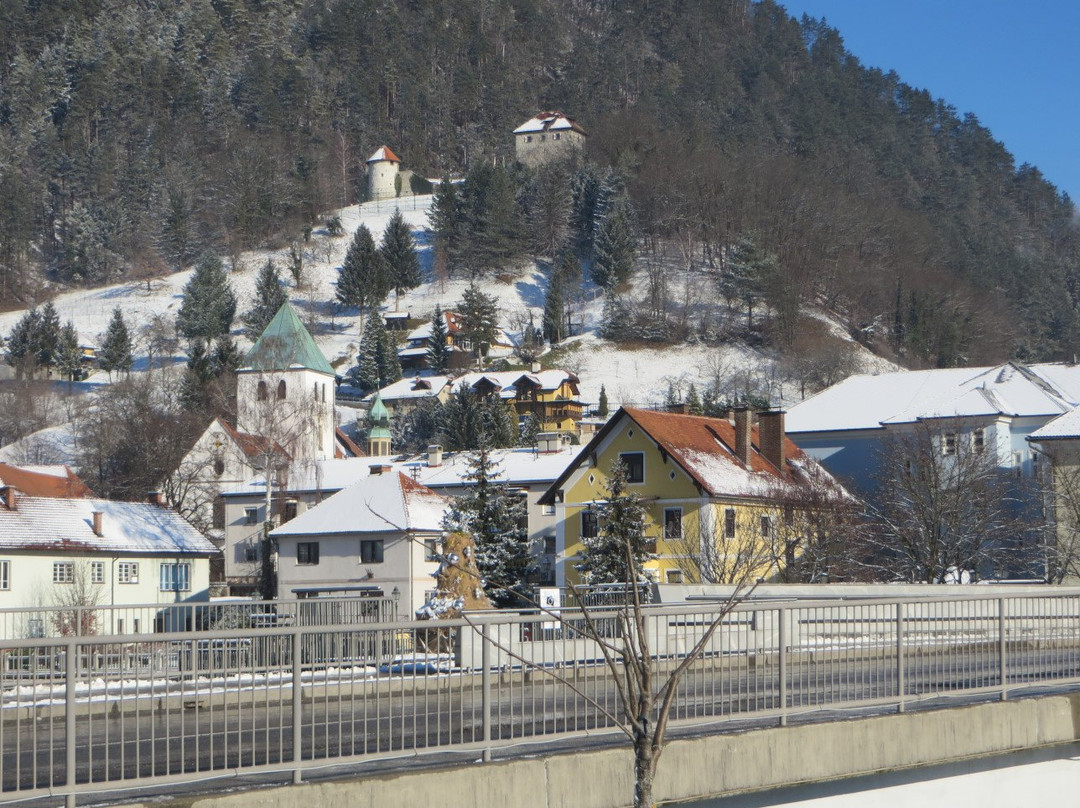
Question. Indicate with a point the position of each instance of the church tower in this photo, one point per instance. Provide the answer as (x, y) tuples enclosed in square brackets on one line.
[(379, 436), (285, 390)]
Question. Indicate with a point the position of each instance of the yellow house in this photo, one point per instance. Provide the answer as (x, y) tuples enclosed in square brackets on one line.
[(727, 501)]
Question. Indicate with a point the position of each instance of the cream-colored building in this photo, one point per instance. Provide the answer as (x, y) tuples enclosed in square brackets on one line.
[(383, 170), (547, 136)]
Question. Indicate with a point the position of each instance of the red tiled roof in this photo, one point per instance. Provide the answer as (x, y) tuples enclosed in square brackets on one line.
[(349, 445), (37, 484), (252, 445)]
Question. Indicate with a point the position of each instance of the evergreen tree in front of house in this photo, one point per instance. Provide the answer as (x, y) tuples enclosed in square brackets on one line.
[(463, 420), (529, 431), (446, 224), (619, 538), (48, 336), (616, 246), (198, 376), (479, 319), (270, 295), (116, 347), (500, 422), (495, 518), (438, 352), (69, 354), (21, 352), (693, 401), (602, 408), (209, 303), (364, 279), (399, 251), (616, 321), (555, 306), (377, 361)]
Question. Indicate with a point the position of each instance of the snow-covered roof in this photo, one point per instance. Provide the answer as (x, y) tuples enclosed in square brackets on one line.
[(548, 122), (53, 481), (874, 401), (505, 380), (1064, 426), (383, 153), (414, 387), (42, 523), (377, 503)]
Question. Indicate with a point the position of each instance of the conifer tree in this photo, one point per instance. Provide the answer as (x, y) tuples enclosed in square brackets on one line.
[(364, 279), (209, 303), (69, 354), (693, 401), (270, 296), (446, 224), (227, 356), (438, 352), (399, 251), (602, 407), (615, 246), (389, 364), (479, 319), (116, 347), (615, 321), (554, 306), (367, 375), (530, 430), (495, 518), (199, 374), (499, 422), (621, 518), (47, 341), (21, 351), (463, 420)]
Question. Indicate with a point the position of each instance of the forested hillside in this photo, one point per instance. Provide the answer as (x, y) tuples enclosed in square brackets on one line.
[(136, 135)]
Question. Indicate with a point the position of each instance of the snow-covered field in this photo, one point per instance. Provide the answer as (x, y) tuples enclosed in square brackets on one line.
[(637, 376)]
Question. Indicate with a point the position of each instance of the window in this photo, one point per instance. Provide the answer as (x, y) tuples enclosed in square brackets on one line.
[(549, 510), (431, 549), (978, 440), (281, 389), (729, 523), (948, 444), (219, 467), (674, 576), (766, 527), (135, 625), (289, 511), (371, 551), (97, 572), (251, 516), (635, 466), (789, 515), (528, 138), (557, 136), (5, 575), (218, 514), (588, 524), (307, 553), (315, 391), (672, 523), (251, 552), (127, 572), (175, 577), (262, 393), (549, 545), (63, 572)]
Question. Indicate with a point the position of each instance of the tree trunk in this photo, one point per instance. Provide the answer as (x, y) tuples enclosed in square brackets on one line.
[(643, 772)]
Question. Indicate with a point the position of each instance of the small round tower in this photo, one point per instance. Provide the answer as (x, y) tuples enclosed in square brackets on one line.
[(383, 168), (379, 436)]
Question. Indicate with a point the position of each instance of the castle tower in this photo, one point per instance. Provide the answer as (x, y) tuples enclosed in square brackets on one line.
[(379, 436), (285, 390), (383, 168)]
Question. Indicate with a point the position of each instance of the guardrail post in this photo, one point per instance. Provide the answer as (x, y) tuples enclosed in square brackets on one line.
[(70, 668), (1001, 647), (485, 687), (297, 706), (781, 641), (900, 657)]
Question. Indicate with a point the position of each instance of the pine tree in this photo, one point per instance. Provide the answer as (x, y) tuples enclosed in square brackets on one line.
[(21, 351), (438, 352), (366, 375), (198, 376), (671, 400), (399, 251), (621, 517), (270, 296), (387, 356), (554, 306), (69, 354), (364, 279), (463, 420), (616, 246), (209, 303), (602, 408), (499, 422), (479, 319), (585, 189), (693, 401), (530, 430), (495, 518), (227, 356), (446, 224), (616, 322), (116, 347), (47, 340)]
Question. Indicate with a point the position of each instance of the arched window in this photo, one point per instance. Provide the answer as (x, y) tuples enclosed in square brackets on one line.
[(263, 393), (281, 389), (219, 467)]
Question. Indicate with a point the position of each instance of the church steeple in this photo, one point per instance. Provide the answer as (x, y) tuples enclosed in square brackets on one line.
[(284, 345), (379, 435)]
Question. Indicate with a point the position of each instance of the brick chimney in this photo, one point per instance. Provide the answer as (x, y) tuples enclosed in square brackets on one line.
[(96, 523), (379, 468), (742, 434), (771, 437), (9, 497)]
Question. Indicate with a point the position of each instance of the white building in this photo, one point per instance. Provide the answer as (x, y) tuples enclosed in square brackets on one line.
[(547, 136), (383, 169)]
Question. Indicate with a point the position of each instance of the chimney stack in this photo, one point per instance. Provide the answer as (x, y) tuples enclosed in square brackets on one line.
[(771, 437), (742, 435), (155, 498), (9, 497), (380, 468), (434, 455), (535, 367), (96, 524), (548, 442)]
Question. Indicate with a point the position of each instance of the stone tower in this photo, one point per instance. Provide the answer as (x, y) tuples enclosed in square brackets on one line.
[(383, 167), (546, 137), (285, 390), (379, 436)]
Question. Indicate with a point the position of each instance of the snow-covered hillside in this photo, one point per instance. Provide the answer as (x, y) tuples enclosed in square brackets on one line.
[(638, 375)]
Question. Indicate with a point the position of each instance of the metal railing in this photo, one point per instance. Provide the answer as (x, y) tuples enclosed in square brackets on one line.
[(93, 714)]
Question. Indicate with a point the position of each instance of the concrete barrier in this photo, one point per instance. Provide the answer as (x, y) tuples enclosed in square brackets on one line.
[(699, 767)]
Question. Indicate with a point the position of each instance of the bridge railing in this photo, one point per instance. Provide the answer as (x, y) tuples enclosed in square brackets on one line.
[(98, 713)]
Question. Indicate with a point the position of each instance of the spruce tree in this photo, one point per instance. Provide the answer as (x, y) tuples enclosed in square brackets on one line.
[(209, 303), (479, 319), (616, 321), (47, 341), (438, 352), (615, 246), (554, 306), (270, 296), (463, 420), (530, 430), (116, 347), (387, 356), (199, 374), (621, 517), (21, 351), (364, 280), (399, 251), (602, 408), (366, 375), (499, 421), (69, 354), (693, 401), (495, 518), (446, 225), (227, 356)]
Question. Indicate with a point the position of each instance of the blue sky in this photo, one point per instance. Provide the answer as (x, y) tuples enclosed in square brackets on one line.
[(1016, 66)]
